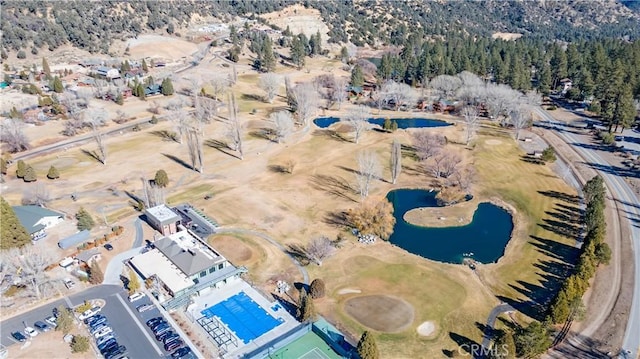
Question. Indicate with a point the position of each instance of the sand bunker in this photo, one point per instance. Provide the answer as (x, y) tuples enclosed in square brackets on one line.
[(426, 328), (349, 291)]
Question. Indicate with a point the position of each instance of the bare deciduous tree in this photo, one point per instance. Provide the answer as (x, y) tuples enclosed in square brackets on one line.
[(194, 145), (520, 118), (219, 85), (96, 118), (368, 170), (427, 145), (180, 119), (234, 128), (449, 164), (471, 122), (395, 161), (316, 251), (283, 123), (37, 196), (399, 93), (358, 118), (380, 97), (339, 94), (206, 109), (307, 102), (30, 262), (13, 135), (500, 100), (270, 83), (153, 195), (445, 86)]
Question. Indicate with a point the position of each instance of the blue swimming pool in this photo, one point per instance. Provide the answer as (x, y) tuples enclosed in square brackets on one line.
[(403, 123), (243, 316)]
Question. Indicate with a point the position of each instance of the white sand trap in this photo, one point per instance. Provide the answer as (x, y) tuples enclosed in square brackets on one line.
[(349, 291), (493, 142), (426, 329)]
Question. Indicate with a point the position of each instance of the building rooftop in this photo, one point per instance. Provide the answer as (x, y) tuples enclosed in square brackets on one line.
[(155, 263), (162, 213), (188, 253), (85, 256), (29, 216)]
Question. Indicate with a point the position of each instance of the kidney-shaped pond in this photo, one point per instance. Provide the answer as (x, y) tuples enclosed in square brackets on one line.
[(324, 122), (484, 239)]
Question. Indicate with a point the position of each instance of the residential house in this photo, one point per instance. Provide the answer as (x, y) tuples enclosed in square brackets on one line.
[(107, 72), (74, 239), (152, 90), (89, 255), (36, 219)]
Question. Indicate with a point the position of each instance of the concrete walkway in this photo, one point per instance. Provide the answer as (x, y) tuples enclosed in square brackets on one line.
[(301, 269), (116, 265)]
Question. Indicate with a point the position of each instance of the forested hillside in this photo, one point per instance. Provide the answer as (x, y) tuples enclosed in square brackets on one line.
[(37, 25)]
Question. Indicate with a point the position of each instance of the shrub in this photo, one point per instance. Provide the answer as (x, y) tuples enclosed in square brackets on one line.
[(53, 173), (549, 154), (30, 175), (85, 221), (79, 344), (317, 288), (83, 307), (154, 120)]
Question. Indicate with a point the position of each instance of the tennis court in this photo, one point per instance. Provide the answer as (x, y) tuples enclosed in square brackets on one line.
[(245, 318), (308, 346)]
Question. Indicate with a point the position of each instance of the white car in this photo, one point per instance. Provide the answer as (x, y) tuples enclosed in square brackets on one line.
[(52, 321), (30, 332), (69, 283), (89, 313), (103, 332), (135, 296)]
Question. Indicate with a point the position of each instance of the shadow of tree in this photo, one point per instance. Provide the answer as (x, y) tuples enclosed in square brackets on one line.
[(91, 154), (464, 343), (252, 97), (337, 218), (221, 146), (279, 169), (561, 196), (331, 134), (166, 135), (531, 159), (299, 253), (562, 228), (264, 133), (334, 185), (178, 161)]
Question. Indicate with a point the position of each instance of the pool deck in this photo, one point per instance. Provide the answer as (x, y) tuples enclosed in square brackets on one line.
[(215, 296)]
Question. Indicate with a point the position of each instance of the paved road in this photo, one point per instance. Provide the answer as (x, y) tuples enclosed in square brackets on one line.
[(124, 324), (491, 321), (139, 233), (302, 270), (628, 202)]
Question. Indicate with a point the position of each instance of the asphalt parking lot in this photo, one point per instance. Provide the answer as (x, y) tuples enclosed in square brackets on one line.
[(128, 325)]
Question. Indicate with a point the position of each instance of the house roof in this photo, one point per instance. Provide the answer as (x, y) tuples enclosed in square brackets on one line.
[(74, 239), (29, 216), (86, 256), (188, 253), (162, 214)]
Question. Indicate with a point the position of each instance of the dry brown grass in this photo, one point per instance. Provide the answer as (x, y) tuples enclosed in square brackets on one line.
[(380, 312)]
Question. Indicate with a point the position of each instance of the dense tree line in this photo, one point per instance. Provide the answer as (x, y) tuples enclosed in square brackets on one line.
[(568, 301), (92, 26)]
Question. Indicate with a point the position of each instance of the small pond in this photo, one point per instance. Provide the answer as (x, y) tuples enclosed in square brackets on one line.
[(484, 239), (324, 122)]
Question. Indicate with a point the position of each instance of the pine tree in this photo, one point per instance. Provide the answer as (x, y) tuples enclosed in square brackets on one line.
[(21, 168), (367, 347), (53, 173), (625, 113), (140, 92), (161, 179), (167, 87), (559, 310), (268, 58), (12, 232), (46, 69), (145, 67), (134, 283), (120, 99), (30, 175), (357, 76), (85, 221), (95, 273), (504, 347), (64, 321), (344, 54), (297, 52)]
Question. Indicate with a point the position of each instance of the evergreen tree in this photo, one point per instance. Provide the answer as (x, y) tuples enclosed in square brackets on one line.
[(268, 58), (357, 76), (57, 85), (46, 69), (625, 113), (21, 168), (95, 273), (602, 253), (53, 173), (233, 35), (161, 179), (560, 310), (125, 66), (85, 221), (167, 87), (80, 344), (12, 232), (504, 346), (594, 189), (64, 321), (134, 283), (30, 175), (367, 347), (558, 64), (120, 99), (306, 309), (532, 340), (297, 52), (139, 91), (344, 54), (145, 67)]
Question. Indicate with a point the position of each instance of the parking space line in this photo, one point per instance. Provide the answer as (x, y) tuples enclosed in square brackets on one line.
[(144, 331)]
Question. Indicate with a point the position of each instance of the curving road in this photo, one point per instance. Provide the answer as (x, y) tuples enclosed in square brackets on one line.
[(301, 269), (491, 320), (628, 202)]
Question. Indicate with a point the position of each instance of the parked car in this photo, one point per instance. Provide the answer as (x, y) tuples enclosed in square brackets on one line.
[(118, 351), (107, 344), (18, 336), (173, 345), (145, 307), (42, 326), (180, 352), (89, 313), (98, 328), (99, 322), (52, 321), (162, 336), (135, 296), (158, 325), (162, 330), (91, 320), (170, 338), (153, 321), (30, 331), (103, 332), (104, 339), (108, 247)]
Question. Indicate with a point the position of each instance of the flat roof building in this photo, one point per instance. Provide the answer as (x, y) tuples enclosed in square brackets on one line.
[(163, 219)]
